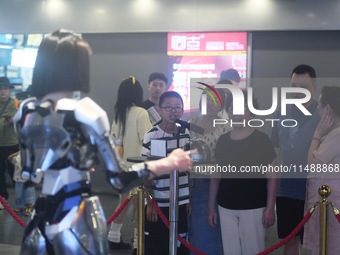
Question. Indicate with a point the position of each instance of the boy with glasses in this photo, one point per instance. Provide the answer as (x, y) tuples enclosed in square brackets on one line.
[(156, 233)]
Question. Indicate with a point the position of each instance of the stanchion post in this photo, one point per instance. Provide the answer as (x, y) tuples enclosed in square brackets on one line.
[(140, 219), (324, 192), (173, 213)]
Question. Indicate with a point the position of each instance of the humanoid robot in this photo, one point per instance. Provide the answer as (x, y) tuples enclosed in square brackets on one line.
[(61, 143), (61, 139)]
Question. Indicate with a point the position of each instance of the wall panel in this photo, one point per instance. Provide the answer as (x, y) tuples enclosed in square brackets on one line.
[(120, 16)]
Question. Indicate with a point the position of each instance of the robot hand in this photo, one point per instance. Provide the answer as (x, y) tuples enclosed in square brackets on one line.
[(35, 177)]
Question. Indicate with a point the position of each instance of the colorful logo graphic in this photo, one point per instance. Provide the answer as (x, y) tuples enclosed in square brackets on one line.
[(210, 90), (243, 102)]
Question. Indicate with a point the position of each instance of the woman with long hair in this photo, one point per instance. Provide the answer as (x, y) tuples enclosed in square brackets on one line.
[(130, 124), (131, 121)]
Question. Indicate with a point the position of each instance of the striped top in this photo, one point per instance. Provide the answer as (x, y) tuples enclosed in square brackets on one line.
[(161, 185)]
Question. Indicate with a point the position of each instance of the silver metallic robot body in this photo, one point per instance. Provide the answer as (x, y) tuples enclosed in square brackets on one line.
[(59, 144)]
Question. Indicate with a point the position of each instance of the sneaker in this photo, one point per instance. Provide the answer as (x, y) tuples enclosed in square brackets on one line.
[(28, 211), (119, 246), (2, 206)]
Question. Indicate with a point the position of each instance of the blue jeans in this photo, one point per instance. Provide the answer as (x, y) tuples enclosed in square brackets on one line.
[(201, 235), (24, 195)]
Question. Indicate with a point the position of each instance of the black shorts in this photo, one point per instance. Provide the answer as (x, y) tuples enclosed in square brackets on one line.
[(289, 212)]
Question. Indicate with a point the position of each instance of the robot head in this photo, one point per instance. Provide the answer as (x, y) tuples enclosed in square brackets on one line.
[(62, 64)]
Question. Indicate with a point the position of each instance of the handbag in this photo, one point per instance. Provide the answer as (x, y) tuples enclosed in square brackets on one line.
[(118, 142), (16, 161)]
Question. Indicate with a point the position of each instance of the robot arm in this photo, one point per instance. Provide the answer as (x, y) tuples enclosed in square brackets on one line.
[(96, 128), (48, 139), (27, 106)]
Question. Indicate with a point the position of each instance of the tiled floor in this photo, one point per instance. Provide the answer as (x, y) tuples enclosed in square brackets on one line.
[(11, 232)]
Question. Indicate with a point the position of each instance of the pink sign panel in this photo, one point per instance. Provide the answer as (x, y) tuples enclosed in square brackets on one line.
[(206, 43), (204, 56)]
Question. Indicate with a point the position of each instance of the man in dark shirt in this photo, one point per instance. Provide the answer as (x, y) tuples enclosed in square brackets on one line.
[(157, 86), (231, 75), (294, 145)]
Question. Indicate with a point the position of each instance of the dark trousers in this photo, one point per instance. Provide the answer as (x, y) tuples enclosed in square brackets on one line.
[(6, 165), (157, 234)]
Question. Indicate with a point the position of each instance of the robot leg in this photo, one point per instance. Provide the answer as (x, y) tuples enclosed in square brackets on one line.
[(87, 233)]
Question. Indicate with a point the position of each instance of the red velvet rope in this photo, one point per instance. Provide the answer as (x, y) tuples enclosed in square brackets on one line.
[(337, 216), (336, 212), (13, 214), (23, 224), (289, 237), (167, 224), (118, 211)]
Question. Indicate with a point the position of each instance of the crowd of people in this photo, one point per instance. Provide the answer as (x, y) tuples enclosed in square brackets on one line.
[(221, 213), (62, 139)]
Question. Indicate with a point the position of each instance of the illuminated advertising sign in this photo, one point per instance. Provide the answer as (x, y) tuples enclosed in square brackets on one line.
[(204, 56)]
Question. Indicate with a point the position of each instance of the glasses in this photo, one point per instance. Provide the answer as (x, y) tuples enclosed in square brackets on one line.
[(170, 108)]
